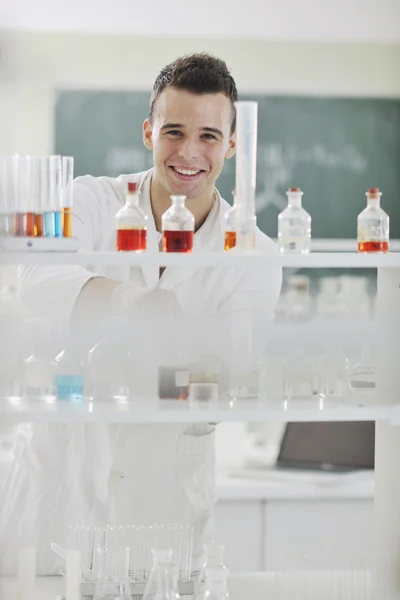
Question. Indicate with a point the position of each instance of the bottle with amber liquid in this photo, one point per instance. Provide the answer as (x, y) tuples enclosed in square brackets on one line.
[(131, 223), (373, 225), (230, 222), (178, 226)]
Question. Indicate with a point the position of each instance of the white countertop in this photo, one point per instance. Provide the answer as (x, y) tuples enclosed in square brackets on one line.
[(288, 485)]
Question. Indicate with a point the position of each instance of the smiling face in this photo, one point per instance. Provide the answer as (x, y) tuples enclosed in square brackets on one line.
[(190, 136)]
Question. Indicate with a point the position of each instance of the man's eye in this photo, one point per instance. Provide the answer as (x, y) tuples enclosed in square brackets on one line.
[(174, 132), (209, 136)]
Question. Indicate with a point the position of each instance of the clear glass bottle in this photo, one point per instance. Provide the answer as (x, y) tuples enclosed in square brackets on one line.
[(213, 559), (373, 225), (112, 586), (163, 580), (294, 225), (41, 338), (131, 222), (178, 227)]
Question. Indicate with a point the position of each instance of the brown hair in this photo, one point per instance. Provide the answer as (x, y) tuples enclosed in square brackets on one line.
[(199, 74)]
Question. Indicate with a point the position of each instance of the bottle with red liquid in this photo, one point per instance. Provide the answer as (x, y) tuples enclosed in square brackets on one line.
[(373, 225), (178, 226), (131, 223)]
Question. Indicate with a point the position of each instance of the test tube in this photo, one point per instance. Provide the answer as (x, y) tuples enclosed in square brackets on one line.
[(51, 196), (24, 220), (6, 197), (246, 169), (36, 197), (67, 194)]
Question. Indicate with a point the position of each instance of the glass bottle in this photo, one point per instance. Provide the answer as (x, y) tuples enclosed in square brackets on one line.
[(131, 222), (213, 559), (39, 364), (163, 580), (216, 587), (294, 225), (178, 227), (373, 225)]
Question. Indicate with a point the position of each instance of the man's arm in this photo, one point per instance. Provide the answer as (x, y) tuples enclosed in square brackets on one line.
[(60, 291)]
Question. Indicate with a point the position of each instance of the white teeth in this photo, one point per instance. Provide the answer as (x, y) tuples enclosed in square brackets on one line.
[(186, 172)]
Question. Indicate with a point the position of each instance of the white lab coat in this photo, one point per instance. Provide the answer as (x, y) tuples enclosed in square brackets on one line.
[(70, 474)]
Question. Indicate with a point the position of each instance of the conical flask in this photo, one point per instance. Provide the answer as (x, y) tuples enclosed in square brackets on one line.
[(163, 580), (213, 559)]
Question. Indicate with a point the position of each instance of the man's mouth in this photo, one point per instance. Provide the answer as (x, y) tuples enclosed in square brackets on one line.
[(186, 174)]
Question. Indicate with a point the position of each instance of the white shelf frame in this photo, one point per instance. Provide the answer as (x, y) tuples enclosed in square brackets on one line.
[(205, 259)]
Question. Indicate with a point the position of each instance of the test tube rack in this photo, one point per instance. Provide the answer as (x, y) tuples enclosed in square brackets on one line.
[(37, 244), (185, 588)]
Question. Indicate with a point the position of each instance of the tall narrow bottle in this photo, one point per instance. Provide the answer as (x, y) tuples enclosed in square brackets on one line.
[(294, 225), (373, 225), (178, 226), (213, 560), (131, 222)]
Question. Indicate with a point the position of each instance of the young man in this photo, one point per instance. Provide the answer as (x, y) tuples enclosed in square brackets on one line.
[(138, 473)]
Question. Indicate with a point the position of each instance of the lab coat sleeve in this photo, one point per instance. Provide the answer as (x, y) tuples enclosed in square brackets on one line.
[(51, 291)]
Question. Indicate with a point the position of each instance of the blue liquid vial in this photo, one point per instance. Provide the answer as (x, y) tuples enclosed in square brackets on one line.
[(69, 387), (58, 224), (48, 224)]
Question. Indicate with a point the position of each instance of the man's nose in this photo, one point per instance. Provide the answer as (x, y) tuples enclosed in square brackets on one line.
[(189, 149)]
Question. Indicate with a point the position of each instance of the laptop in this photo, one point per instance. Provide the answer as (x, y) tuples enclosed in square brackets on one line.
[(328, 447)]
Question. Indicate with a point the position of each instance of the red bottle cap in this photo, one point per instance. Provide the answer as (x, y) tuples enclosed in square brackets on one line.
[(132, 186), (373, 191), (294, 189)]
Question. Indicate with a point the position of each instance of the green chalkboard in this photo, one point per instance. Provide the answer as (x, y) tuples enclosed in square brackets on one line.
[(333, 148)]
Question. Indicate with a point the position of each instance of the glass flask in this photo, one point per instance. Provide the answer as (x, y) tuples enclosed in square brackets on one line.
[(213, 559), (332, 373), (163, 580), (216, 586), (294, 225), (178, 227), (373, 225), (131, 223), (298, 376)]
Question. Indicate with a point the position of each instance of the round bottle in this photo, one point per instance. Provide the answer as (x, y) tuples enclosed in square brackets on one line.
[(294, 225), (178, 227), (373, 225), (131, 223)]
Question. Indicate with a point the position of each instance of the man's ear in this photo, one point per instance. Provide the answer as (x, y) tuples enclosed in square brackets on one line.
[(148, 134), (232, 146)]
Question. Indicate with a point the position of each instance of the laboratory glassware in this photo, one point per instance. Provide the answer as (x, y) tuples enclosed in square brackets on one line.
[(24, 217), (131, 222), (70, 365), (230, 225), (6, 197), (110, 363), (50, 186), (204, 380), (294, 225), (163, 580), (216, 585), (67, 194), (246, 168), (112, 585), (178, 226), (213, 559), (363, 373), (373, 225), (41, 337)]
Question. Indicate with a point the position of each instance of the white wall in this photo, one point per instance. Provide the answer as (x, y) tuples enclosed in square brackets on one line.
[(327, 20), (40, 63)]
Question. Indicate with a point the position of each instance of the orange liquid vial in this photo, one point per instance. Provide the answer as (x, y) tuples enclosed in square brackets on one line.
[(373, 246), (38, 229), (230, 239), (178, 241), (67, 221), (131, 240)]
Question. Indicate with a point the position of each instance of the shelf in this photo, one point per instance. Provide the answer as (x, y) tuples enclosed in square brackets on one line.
[(170, 411), (204, 259)]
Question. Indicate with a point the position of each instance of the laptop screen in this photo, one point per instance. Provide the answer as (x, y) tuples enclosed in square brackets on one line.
[(328, 446)]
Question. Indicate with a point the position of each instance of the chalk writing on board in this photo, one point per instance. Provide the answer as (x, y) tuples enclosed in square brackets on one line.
[(276, 163), (120, 159)]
